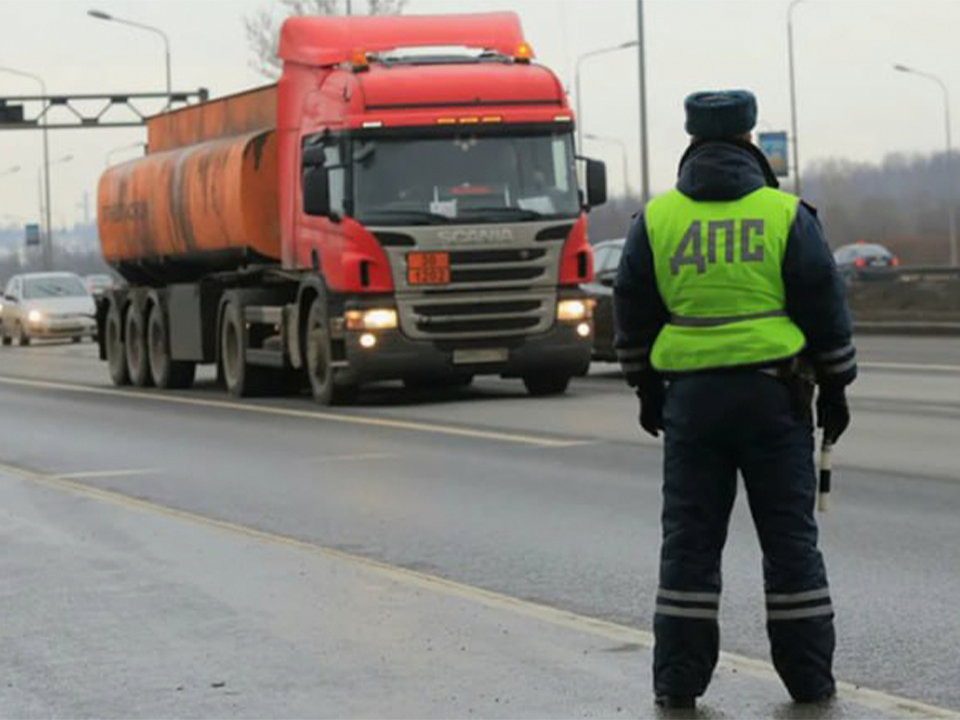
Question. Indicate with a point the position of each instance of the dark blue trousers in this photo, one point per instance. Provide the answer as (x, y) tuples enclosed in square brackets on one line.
[(717, 424)]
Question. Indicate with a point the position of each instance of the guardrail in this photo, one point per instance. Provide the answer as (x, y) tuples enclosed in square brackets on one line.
[(903, 272)]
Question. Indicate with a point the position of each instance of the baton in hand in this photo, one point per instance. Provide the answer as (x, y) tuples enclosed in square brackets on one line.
[(826, 472)]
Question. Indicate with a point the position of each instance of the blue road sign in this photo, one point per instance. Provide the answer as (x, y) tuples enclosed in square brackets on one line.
[(774, 146)]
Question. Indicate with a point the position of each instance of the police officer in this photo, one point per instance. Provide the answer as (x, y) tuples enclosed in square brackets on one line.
[(725, 289)]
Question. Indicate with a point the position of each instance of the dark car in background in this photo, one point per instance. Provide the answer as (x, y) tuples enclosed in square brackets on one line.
[(865, 261), (606, 258)]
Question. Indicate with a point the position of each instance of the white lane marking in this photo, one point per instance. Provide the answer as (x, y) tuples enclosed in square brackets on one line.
[(883, 702), (474, 433), (873, 365), (107, 473)]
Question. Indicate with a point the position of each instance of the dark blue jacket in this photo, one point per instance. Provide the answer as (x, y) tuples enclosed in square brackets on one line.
[(728, 170)]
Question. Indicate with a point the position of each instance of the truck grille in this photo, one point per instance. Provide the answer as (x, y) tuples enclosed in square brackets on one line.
[(447, 316), (499, 288)]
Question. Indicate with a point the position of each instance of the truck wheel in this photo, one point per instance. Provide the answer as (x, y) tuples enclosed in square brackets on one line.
[(166, 372), (113, 345), (546, 384), (3, 335), (135, 347), (320, 362), (240, 378), (22, 338)]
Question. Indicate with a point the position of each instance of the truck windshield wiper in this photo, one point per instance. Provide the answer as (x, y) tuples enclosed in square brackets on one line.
[(421, 217), (520, 213)]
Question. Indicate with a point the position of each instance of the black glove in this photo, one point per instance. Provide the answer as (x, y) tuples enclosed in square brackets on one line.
[(650, 393), (833, 414)]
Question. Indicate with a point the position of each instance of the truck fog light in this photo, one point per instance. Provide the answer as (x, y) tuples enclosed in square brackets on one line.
[(368, 340), (583, 329)]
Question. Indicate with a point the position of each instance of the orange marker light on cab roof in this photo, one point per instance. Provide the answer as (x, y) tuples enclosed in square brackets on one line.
[(523, 53), (358, 58)]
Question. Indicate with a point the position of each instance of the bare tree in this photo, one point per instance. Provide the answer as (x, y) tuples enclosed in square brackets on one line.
[(263, 26)]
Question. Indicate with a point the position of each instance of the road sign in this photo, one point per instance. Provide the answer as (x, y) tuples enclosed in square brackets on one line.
[(33, 234), (774, 146)]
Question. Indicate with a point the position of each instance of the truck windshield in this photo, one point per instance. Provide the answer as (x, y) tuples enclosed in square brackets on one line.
[(464, 179)]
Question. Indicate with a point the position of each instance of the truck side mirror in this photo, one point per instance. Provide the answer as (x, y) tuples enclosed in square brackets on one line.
[(316, 190), (596, 183)]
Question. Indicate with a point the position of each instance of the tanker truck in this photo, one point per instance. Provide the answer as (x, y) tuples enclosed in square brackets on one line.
[(402, 204)]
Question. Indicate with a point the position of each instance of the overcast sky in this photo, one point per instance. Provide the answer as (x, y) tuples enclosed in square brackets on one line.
[(850, 102)]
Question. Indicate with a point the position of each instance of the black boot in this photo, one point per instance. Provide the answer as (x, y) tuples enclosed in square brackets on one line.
[(676, 702)]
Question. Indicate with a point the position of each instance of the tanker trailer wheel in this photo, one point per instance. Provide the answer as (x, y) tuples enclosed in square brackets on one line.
[(241, 378), (135, 347), (546, 384), (320, 368), (113, 344), (166, 372)]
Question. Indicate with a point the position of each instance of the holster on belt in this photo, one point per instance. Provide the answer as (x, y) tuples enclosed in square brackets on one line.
[(798, 375)]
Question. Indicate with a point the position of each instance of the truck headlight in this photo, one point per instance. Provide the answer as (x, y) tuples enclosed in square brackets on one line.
[(376, 319), (574, 310), (34, 316)]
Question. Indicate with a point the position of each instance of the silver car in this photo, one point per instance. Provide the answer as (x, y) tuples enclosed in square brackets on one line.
[(46, 305)]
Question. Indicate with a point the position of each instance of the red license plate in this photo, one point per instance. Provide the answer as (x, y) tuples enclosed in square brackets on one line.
[(428, 268)]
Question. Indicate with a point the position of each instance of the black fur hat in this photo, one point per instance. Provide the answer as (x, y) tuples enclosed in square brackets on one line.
[(720, 113)]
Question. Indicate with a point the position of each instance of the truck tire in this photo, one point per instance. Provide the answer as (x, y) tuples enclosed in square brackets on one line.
[(166, 373), (545, 384), (319, 363), (22, 338), (240, 378), (113, 347), (135, 347)]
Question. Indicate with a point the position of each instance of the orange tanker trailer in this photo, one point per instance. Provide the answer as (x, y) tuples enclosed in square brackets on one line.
[(204, 198)]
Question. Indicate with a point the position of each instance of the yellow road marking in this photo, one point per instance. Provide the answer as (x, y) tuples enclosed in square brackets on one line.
[(474, 433), (874, 699), (106, 473)]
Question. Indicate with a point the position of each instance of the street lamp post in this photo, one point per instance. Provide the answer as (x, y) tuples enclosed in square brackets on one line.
[(623, 154), (45, 218), (951, 185), (644, 154), (46, 246), (100, 15), (793, 99), (576, 80)]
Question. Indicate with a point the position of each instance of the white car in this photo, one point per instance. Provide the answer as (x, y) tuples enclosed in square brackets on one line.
[(47, 305)]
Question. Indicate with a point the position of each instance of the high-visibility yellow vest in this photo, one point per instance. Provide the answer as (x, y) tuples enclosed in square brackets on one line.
[(718, 269)]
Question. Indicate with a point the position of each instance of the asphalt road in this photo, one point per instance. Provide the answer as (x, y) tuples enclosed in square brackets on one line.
[(553, 500)]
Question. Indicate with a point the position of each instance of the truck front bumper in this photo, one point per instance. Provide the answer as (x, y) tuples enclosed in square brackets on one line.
[(560, 351)]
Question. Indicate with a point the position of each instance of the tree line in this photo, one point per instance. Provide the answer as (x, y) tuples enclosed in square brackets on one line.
[(901, 203)]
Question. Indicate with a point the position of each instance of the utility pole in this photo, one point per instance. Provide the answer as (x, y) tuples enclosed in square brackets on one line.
[(644, 165), (793, 100)]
